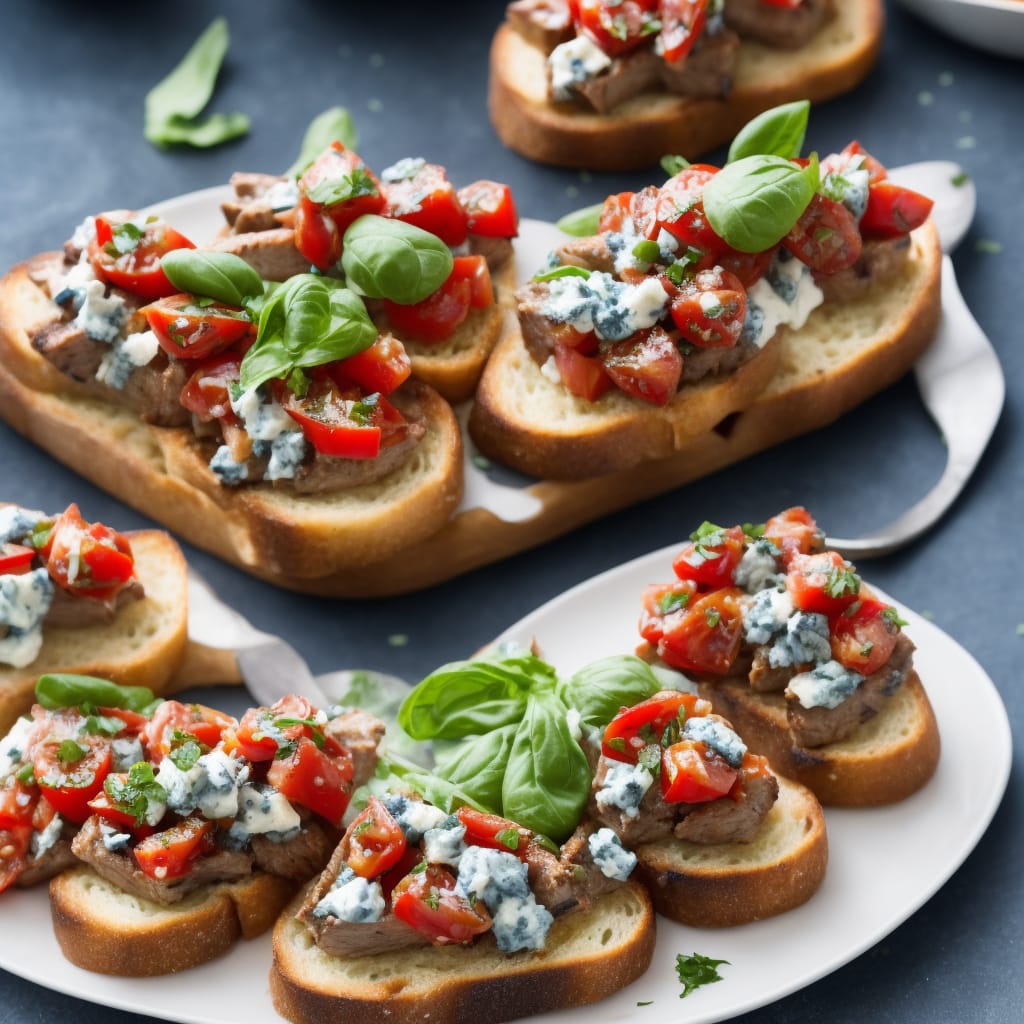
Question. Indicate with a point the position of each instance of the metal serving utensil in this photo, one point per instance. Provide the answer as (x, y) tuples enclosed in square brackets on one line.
[(959, 376)]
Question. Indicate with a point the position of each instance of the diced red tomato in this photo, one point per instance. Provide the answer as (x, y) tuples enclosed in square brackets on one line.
[(102, 805), (86, 557), (261, 730), (207, 393), (186, 330), (692, 773), (15, 559), (128, 256), (793, 531), (317, 236), (172, 852), (494, 831), (584, 376), (646, 365), (436, 317), (748, 267), (705, 636), (17, 803), (634, 728), (490, 209), (893, 211), (709, 310), (319, 779), (660, 601), (616, 212), (70, 773), (822, 582), (840, 162), (204, 724), (426, 901), (643, 211), (680, 208), (710, 560), (342, 186), (617, 26), (475, 270), (427, 200), (864, 635), (380, 368), (389, 879), (346, 428), (374, 840), (825, 237), (682, 22), (134, 722)]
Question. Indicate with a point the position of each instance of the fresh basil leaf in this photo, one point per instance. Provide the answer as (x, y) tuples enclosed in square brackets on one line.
[(68, 690), (599, 690), (434, 789), (754, 202), (307, 313), (581, 223), (777, 132), (477, 765), (333, 125), (389, 259), (349, 330), (216, 275), (547, 779), (173, 103), (672, 164), (569, 270)]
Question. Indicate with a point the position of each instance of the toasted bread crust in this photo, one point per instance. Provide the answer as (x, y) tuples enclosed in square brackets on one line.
[(645, 128), (588, 956), (736, 883), (142, 646), (102, 929), (887, 758)]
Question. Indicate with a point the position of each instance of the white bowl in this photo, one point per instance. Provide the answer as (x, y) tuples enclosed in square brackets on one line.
[(993, 25)]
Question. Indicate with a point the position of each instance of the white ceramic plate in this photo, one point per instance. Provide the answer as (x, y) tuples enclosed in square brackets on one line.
[(993, 25), (884, 863)]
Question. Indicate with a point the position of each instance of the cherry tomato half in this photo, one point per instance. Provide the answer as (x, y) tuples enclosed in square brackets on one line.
[(692, 773), (864, 635), (617, 26), (682, 22), (824, 582), (89, 558), (426, 901), (494, 831), (490, 209), (262, 731), (893, 211), (187, 330), (794, 531), (374, 840), (634, 728), (427, 200), (436, 317), (710, 309), (710, 559), (208, 391), (380, 368), (583, 375), (646, 365), (319, 779), (15, 559), (128, 256), (204, 724), (346, 428), (71, 772), (172, 852), (825, 237), (705, 636)]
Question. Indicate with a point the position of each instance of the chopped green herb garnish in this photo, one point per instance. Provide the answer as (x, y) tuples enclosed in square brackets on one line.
[(841, 581), (69, 751), (988, 245), (509, 838), (647, 251), (650, 758), (187, 751), (569, 270), (332, 191), (673, 601), (133, 793), (25, 774), (672, 164), (960, 179), (696, 970), (892, 618), (712, 616)]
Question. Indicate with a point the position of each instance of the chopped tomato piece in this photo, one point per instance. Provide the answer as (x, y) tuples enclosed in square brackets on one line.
[(617, 26), (172, 852), (584, 376), (824, 582), (380, 368), (134, 722), (389, 879), (374, 840), (748, 267), (127, 255), (693, 773), (710, 309), (634, 728), (646, 365), (426, 901), (711, 556), (494, 831), (15, 559), (427, 200), (682, 22), (318, 779), (825, 237), (643, 211), (208, 391), (317, 236), (17, 803), (616, 212), (893, 211), (107, 809), (490, 209), (88, 557), (172, 720), (261, 731), (346, 428), (436, 317), (679, 208), (71, 772), (864, 635), (187, 330), (660, 601), (840, 162), (794, 531), (340, 184), (475, 270), (705, 636)]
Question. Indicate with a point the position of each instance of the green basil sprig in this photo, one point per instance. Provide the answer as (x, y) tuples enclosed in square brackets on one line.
[(568, 270), (308, 321), (222, 276), (332, 125), (173, 104), (68, 690), (777, 132), (388, 259), (517, 755), (581, 223), (754, 202)]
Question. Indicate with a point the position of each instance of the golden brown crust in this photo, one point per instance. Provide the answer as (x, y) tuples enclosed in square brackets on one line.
[(887, 758), (736, 883), (588, 956), (102, 929), (142, 646), (643, 129)]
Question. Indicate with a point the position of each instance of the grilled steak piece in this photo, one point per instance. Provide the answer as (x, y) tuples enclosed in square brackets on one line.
[(360, 733), (730, 819), (779, 27), (300, 857), (542, 23)]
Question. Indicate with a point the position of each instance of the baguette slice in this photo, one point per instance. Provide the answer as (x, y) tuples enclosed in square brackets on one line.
[(589, 955), (101, 928), (736, 883), (142, 645), (643, 129), (885, 760)]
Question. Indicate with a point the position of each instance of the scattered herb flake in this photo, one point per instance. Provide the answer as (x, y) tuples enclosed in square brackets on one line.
[(960, 179), (988, 245), (398, 640), (925, 98), (481, 462), (376, 60), (946, 79), (375, 106), (645, 1002), (572, 191), (1020, 629), (966, 142), (928, 614), (696, 970)]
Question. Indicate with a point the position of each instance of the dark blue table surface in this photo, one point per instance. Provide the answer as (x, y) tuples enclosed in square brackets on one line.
[(73, 81)]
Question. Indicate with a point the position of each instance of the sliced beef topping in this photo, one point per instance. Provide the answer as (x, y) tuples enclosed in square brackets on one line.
[(814, 727), (154, 391), (699, 363), (706, 71), (299, 857), (121, 870), (629, 75), (569, 881), (272, 254), (781, 27), (591, 253), (251, 210), (360, 733), (57, 858), (80, 609), (766, 679), (878, 261), (654, 819), (497, 251), (542, 23), (730, 819), (70, 350)]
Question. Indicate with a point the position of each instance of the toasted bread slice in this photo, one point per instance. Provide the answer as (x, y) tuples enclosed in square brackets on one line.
[(735, 883), (101, 928), (886, 759), (589, 955), (643, 129), (142, 646)]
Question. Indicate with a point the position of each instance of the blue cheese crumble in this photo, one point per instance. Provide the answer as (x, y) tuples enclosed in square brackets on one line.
[(211, 786), (624, 787), (758, 569), (264, 811), (573, 63), (825, 686), (352, 898), (24, 601), (785, 296), (613, 309), (403, 170), (17, 523), (445, 844), (414, 817), (718, 736), (608, 853), (766, 615), (125, 356), (806, 640), (102, 317)]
